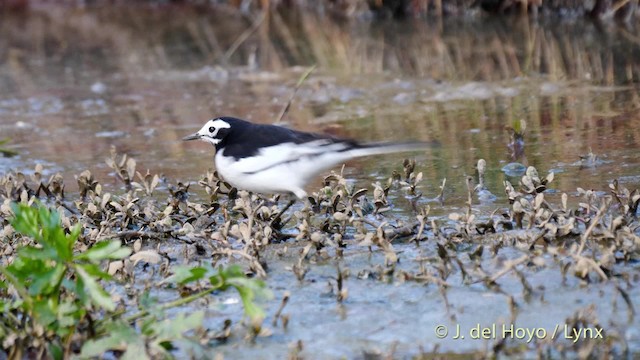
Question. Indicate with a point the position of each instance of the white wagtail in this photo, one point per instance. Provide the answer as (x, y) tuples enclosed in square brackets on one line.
[(273, 159)]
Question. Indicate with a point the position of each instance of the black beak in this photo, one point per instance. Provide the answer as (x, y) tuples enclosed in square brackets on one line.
[(195, 136)]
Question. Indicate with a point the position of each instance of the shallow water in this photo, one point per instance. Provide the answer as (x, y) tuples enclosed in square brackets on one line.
[(69, 90)]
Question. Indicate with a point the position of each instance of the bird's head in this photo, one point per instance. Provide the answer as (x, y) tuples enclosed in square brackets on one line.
[(212, 132)]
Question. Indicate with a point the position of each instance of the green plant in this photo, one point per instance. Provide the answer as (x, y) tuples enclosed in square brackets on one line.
[(55, 288), (222, 279), (158, 334), (5, 151), (154, 340), (54, 304)]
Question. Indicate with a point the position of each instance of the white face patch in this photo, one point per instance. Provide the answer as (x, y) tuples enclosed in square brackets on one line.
[(209, 131)]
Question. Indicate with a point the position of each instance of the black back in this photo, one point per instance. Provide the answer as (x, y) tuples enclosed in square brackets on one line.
[(244, 139)]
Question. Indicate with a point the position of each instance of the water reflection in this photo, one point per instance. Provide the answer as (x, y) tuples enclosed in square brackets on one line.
[(73, 82)]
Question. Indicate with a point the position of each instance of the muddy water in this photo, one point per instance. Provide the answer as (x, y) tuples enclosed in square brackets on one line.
[(73, 83)]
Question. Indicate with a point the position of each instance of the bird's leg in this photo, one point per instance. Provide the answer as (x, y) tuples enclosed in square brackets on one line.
[(276, 220)]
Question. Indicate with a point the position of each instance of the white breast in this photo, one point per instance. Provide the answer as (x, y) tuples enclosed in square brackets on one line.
[(283, 168)]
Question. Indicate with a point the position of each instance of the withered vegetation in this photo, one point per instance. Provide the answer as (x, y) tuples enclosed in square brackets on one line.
[(214, 224)]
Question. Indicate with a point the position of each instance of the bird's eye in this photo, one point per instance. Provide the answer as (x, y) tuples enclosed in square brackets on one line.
[(212, 129)]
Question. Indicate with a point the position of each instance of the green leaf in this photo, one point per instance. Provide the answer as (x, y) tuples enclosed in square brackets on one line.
[(105, 250), (25, 269), (135, 351), (233, 271), (171, 329), (121, 337), (146, 301), (25, 220), (5, 151), (9, 274), (193, 348), (185, 274), (94, 270), (44, 311), (55, 350), (76, 286), (68, 314), (48, 282), (249, 290), (62, 243), (170, 332), (39, 253), (97, 294), (43, 225)]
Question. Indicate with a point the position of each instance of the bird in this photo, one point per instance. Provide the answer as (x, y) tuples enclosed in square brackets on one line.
[(272, 159)]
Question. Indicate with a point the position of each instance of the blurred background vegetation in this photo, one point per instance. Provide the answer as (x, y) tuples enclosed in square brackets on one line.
[(623, 10)]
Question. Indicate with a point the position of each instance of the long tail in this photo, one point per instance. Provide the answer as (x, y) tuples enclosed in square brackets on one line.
[(391, 147)]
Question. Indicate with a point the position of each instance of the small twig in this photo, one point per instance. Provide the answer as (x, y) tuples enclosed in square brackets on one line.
[(243, 37), (594, 266), (285, 300), (254, 213), (529, 236), (286, 107), (510, 265), (627, 299), (69, 208), (402, 231), (618, 5), (279, 215), (440, 197), (126, 235), (470, 191), (594, 222), (369, 222), (228, 252), (431, 279), (172, 304), (443, 291), (418, 236)]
